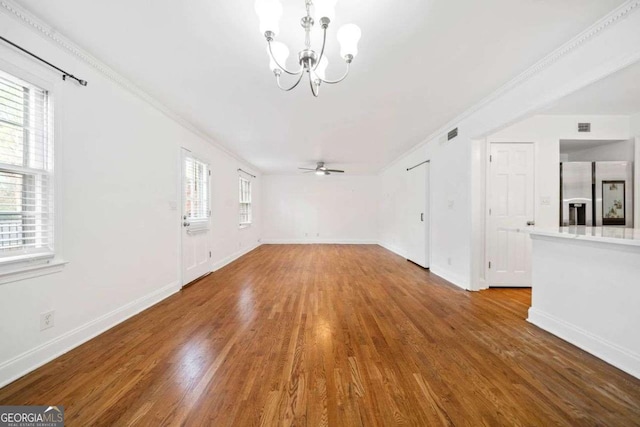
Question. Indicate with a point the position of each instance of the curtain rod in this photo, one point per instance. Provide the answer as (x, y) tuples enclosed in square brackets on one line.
[(64, 73), (422, 163), (240, 170)]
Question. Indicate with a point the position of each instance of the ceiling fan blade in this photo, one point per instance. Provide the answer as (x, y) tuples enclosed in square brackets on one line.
[(311, 171), (306, 169), (335, 171)]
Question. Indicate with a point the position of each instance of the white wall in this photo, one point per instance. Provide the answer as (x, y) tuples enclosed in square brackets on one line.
[(307, 208), (584, 293), (617, 151), (635, 130), (546, 132), (635, 124), (457, 172), (449, 195), (118, 175)]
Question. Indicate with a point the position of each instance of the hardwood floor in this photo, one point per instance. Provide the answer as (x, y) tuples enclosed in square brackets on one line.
[(331, 335)]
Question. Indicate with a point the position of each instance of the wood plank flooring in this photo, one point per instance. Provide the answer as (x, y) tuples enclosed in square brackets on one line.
[(331, 335)]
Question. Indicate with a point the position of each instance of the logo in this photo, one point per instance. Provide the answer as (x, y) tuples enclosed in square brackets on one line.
[(31, 416)]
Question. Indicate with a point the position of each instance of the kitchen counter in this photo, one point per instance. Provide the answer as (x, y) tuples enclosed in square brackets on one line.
[(614, 235), (586, 290)]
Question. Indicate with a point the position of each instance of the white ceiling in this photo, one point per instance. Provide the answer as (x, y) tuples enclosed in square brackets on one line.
[(421, 63), (618, 94)]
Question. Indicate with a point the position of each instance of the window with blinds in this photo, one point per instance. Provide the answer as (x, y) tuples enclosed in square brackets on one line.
[(26, 171), (245, 202), (196, 188)]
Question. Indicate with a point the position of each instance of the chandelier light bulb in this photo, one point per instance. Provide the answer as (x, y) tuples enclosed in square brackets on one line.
[(312, 62), (269, 12), (325, 9), (280, 52), (322, 68), (348, 37)]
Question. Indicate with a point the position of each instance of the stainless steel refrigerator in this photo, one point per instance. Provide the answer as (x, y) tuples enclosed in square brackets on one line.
[(596, 194)]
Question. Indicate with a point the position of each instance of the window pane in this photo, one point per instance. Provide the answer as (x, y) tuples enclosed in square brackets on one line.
[(245, 201), (26, 204), (196, 189), (11, 144)]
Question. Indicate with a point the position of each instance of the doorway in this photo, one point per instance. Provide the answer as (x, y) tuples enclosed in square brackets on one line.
[(510, 202), (418, 217), (196, 217)]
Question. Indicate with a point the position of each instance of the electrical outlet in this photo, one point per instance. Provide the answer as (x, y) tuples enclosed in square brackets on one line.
[(449, 260), (47, 320), (306, 234), (317, 234)]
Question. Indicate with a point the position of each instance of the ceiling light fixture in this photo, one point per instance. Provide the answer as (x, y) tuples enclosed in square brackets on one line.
[(312, 64)]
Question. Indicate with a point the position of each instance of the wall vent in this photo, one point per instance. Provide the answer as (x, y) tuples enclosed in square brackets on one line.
[(584, 127), (452, 134)]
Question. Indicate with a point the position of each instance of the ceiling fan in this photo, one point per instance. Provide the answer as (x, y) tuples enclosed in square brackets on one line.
[(321, 169)]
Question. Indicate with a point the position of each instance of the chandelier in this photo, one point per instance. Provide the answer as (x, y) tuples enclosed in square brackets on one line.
[(312, 64)]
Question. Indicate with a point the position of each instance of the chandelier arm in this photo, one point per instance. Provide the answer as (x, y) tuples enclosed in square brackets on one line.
[(324, 43), (315, 90), (280, 66), (292, 87), (332, 82)]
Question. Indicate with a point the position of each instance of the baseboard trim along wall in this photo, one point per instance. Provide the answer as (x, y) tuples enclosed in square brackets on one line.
[(449, 277), (613, 354), (234, 256), (32, 359), (393, 249), (317, 242)]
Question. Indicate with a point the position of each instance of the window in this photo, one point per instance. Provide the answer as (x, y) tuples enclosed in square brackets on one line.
[(26, 171), (196, 197), (245, 202)]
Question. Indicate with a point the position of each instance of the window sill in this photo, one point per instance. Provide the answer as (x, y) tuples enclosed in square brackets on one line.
[(28, 272)]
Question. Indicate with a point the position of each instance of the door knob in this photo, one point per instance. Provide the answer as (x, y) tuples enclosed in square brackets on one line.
[(422, 217), (531, 223), (186, 224)]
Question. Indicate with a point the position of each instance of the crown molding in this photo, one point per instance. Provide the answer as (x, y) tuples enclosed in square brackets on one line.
[(49, 33), (598, 27)]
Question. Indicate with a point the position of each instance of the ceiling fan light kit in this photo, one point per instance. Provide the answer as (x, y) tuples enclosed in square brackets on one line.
[(312, 64), (321, 170)]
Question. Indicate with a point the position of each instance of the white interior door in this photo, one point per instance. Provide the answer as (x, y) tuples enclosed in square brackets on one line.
[(417, 215), (511, 206), (196, 218)]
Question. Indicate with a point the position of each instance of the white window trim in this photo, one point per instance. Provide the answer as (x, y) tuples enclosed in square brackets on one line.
[(243, 225), (23, 267)]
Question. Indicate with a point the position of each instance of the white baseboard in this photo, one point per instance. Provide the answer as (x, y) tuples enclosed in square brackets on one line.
[(393, 249), (449, 276), (32, 359), (446, 275), (611, 353), (229, 259), (318, 242)]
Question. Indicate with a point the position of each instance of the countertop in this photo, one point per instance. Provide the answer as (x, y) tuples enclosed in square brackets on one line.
[(615, 235)]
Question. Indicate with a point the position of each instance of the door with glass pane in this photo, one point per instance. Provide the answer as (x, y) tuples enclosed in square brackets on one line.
[(196, 218)]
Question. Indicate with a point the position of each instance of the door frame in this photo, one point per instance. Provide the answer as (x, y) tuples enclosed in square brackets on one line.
[(182, 151), (487, 195)]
